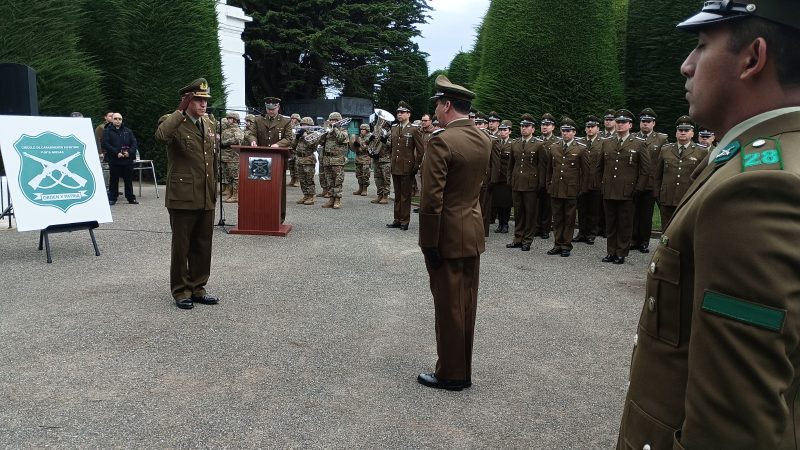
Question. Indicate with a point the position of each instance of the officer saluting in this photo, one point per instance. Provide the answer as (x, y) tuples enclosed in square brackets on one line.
[(715, 362)]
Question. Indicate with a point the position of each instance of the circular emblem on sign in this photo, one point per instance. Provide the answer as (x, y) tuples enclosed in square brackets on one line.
[(759, 143)]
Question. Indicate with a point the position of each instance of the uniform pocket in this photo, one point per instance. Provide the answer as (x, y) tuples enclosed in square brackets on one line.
[(661, 316), (627, 190), (572, 190), (640, 429), (181, 187)]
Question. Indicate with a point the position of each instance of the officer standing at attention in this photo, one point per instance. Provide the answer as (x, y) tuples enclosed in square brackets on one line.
[(644, 201), (274, 130), (527, 163), (674, 166), (190, 137), (545, 215), (609, 126), (500, 187), (451, 232), (624, 164), (715, 364), (402, 143), (590, 202)]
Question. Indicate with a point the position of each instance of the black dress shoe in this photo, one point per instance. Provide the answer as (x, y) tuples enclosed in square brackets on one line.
[(416, 210), (430, 380), (564, 253), (206, 299), (579, 238), (609, 258), (545, 236), (404, 227), (526, 247), (619, 260), (112, 202), (184, 303), (589, 241), (133, 202), (644, 249), (393, 225), (554, 251), (499, 229), (514, 245), (505, 229)]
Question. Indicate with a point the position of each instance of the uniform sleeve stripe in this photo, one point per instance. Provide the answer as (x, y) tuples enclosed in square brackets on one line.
[(744, 311)]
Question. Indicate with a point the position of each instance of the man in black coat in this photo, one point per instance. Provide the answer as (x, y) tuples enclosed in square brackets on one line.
[(120, 146)]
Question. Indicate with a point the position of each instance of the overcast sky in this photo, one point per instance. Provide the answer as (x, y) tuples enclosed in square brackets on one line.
[(450, 29)]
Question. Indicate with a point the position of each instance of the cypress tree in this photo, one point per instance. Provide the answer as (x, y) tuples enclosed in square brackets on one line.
[(460, 70), (655, 51), (406, 79), (548, 56), (44, 35)]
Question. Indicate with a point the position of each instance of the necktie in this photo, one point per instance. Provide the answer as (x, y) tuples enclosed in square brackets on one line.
[(680, 150), (199, 124)]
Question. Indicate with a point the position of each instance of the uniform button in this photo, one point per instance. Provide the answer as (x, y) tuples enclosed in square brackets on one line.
[(678, 184), (615, 168), (651, 303), (560, 178), (615, 176), (646, 447), (652, 267), (635, 340), (679, 176)]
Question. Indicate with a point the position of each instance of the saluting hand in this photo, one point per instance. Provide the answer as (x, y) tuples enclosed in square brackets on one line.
[(185, 101)]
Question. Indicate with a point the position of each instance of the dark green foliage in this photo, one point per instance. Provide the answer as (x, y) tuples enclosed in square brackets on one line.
[(542, 56), (460, 70), (170, 44), (406, 79), (655, 52), (44, 35), (295, 49), (432, 81)]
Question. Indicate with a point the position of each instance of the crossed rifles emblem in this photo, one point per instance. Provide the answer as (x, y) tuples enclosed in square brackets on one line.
[(48, 169)]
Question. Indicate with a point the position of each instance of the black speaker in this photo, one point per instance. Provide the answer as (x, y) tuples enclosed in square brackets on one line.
[(18, 95)]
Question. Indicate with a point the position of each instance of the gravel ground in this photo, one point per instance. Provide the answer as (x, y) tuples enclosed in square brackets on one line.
[(316, 343)]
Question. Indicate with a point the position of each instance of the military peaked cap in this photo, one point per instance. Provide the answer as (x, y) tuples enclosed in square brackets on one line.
[(610, 114), (480, 117), (444, 88), (784, 12), (647, 114), (705, 132), (199, 87), (684, 123), (494, 117), (403, 107), (592, 121), (568, 124), (505, 124), (272, 102), (624, 114), (548, 119), (527, 119)]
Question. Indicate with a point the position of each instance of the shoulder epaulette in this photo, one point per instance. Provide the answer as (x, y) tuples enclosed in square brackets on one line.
[(395, 125), (435, 132), (640, 138), (701, 145), (539, 138), (582, 144), (662, 134), (605, 138)]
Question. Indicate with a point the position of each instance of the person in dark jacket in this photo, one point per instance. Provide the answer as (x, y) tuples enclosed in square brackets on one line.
[(120, 146)]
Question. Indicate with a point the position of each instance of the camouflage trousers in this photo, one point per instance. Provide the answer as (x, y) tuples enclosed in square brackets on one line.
[(334, 176), (362, 173), (306, 174), (383, 177), (293, 167), (230, 174), (323, 182)]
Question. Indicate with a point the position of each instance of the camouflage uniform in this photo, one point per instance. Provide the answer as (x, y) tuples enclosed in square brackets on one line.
[(383, 171), (231, 135), (334, 159), (306, 161), (249, 130), (363, 162), (323, 182)]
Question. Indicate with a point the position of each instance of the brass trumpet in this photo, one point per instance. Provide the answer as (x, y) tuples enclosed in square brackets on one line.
[(316, 135), (382, 117)]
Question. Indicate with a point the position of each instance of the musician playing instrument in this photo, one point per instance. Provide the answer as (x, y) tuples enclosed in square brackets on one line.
[(334, 142)]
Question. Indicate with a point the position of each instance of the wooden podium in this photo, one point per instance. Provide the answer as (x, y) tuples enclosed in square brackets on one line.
[(262, 191)]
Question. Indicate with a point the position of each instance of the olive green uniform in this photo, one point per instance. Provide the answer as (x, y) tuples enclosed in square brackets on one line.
[(527, 165), (644, 201), (672, 175), (567, 166), (402, 143), (275, 130)]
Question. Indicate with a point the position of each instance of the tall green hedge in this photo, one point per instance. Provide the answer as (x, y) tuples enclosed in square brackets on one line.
[(655, 51), (44, 35), (460, 70), (548, 56)]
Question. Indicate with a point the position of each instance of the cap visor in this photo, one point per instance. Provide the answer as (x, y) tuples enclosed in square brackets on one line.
[(704, 18)]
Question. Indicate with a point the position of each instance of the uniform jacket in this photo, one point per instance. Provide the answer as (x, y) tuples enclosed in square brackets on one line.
[(501, 151), (114, 139), (273, 131), (402, 143), (715, 362), (593, 177), (360, 146), (487, 179), (98, 136), (450, 216), (566, 169), (527, 165), (423, 136), (673, 172), (191, 179), (231, 135), (624, 167), (654, 141), (304, 152), (334, 144)]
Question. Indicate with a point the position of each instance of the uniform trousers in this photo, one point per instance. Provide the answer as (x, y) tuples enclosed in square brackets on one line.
[(323, 180), (564, 211), (116, 171), (590, 208), (292, 162), (526, 210), (501, 202), (486, 207), (334, 178), (383, 178), (545, 218), (454, 285), (644, 203), (402, 198), (305, 173), (619, 226), (362, 173), (666, 215), (190, 258)]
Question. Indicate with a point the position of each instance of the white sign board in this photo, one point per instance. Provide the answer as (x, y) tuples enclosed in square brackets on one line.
[(54, 172)]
